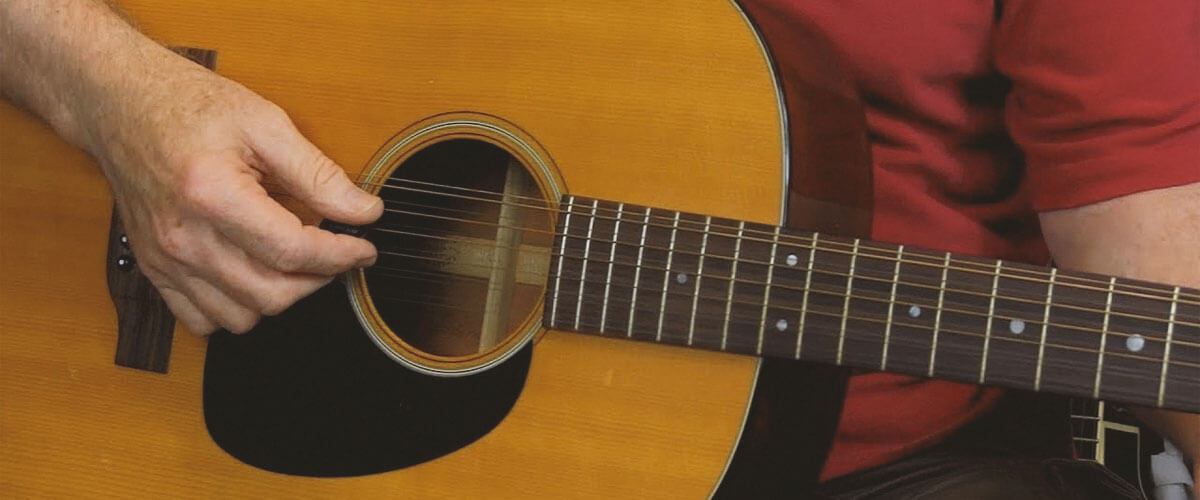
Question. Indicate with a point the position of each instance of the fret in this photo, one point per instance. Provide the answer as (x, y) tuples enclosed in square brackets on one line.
[(1073, 333), (1019, 307), (562, 253), (937, 318), (1112, 282), (587, 250), (612, 261), (887, 328), (846, 304), (963, 322), (775, 319), (831, 272), (637, 273), (991, 316), (812, 258), (867, 304), (683, 287), (762, 322), (1037, 378), (1137, 342), (737, 252), (699, 276), (747, 309), (662, 306), (713, 307), (1162, 377), (917, 291)]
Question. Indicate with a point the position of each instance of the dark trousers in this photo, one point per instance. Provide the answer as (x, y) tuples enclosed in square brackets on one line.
[(1019, 451)]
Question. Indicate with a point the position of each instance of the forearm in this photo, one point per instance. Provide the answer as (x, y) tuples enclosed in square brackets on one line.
[(69, 61), (1153, 236)]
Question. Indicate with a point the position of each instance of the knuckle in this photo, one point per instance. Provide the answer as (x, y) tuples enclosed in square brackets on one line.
[(174, 243), (197, 191), (289, 257), (241, 323), (275, 303)]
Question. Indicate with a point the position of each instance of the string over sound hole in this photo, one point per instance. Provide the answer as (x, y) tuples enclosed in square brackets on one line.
[(464, 248)]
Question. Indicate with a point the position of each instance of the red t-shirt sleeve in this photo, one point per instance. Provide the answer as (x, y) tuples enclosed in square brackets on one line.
[(1106, 96)]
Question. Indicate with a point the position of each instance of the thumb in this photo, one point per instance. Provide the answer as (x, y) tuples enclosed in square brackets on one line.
[(310, 176)]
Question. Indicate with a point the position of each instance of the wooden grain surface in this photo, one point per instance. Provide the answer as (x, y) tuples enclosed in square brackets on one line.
[(658, 103)]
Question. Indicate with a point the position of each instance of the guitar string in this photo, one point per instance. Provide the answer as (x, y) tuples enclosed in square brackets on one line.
[(1061, 282), (825, 271), (749, 261), (816, 290), (750, 323), (767, 236), (980, 268)]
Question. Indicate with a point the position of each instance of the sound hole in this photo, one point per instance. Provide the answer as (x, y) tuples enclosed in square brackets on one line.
[(463, 249)]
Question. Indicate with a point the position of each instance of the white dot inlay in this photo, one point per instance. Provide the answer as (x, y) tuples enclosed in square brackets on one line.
[(1135, 342), (681, 278), (914, 311), (1016, 326), (792, 259), (781, 325)]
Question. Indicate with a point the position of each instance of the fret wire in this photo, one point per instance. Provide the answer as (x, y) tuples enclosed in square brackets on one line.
[(1037, 379), (737, 252), (612, 259), (991, 316), (887, 328), (662, 307), (1112, 282), (937, 316), (540, 204), (699, 276), (1069, 326), (562, 256), (880, 320), (762, 321), (587, 251), (1162, 378), (846, 304), (812, 255), (637, 274)]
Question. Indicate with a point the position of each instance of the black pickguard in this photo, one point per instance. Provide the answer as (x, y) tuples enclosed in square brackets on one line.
[(307, 393)]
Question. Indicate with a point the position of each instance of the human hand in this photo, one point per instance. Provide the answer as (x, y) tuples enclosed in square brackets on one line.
[(186, 155)]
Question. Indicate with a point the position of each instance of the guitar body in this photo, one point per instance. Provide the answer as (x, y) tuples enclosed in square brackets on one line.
[(665, 104)]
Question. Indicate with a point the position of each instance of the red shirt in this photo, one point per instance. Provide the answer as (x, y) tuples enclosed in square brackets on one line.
[(980, 116)]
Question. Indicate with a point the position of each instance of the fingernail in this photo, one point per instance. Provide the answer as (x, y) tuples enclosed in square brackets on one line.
[(360, 201)]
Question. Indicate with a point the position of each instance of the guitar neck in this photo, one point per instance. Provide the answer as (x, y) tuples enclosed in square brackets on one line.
[(692, 280)]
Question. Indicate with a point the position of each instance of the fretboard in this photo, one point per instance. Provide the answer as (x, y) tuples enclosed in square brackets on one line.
[(647, 274)]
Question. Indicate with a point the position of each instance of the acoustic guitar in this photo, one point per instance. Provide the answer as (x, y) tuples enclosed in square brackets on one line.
[(590, 251)]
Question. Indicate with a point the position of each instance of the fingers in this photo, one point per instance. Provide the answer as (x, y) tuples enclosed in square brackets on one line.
[(187, 314), (266, 231), (230, 290), (259, 288), (313, 178)]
